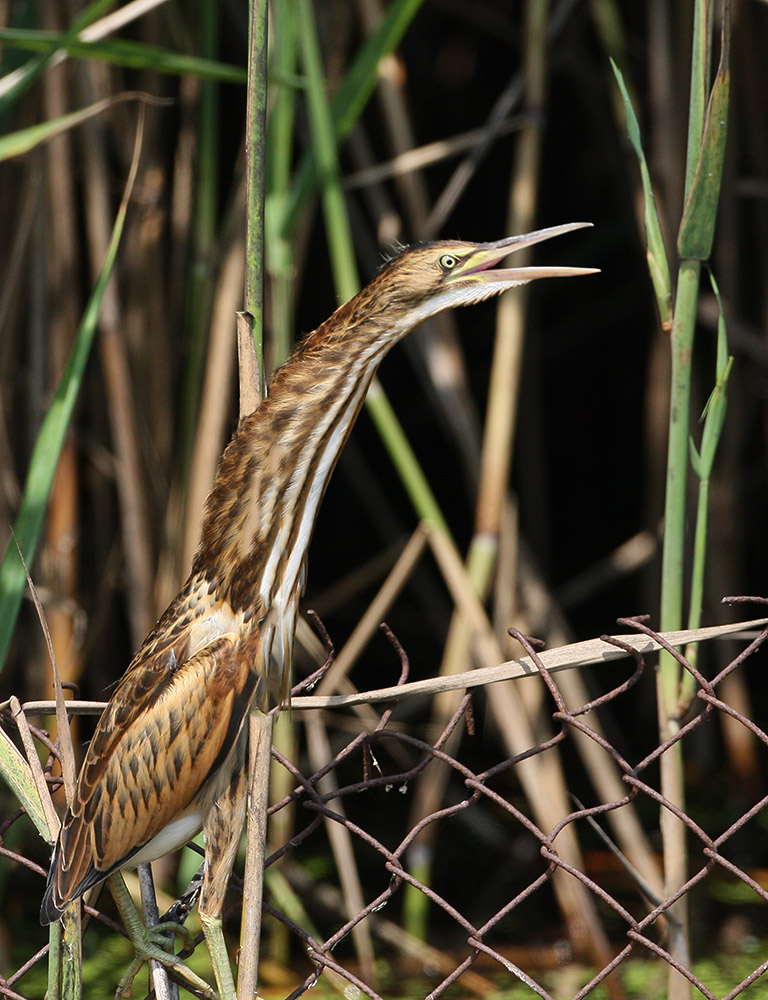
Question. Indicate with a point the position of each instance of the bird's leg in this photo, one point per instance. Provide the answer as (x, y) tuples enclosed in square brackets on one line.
[(148, 942), (217, 948), (164, 988), (222, 826)]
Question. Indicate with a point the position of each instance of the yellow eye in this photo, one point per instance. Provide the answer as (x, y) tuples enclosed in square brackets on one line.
[(448, 261)]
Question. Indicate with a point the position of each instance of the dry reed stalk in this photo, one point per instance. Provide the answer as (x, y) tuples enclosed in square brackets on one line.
[(61, 555), (541, 777), (629, 834), (215, 403), (375, 613), (319, 749), (136, 534)]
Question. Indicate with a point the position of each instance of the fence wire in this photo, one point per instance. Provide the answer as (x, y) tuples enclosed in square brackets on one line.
[(481, 935)]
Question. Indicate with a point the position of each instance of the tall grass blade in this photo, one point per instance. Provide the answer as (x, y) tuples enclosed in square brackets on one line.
[(26, 139), (279, 247), (45, 455), (19, 81), (124, 52), (352, 96)]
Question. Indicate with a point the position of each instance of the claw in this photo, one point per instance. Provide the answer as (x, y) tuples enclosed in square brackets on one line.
[(152, 945)]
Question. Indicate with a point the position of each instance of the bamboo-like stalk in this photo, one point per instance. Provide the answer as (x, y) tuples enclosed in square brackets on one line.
[(251, 365), (260, 744), (694, 242), (255, 175)]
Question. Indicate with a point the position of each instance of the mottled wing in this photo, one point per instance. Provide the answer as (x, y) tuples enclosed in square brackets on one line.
[(169, 725)]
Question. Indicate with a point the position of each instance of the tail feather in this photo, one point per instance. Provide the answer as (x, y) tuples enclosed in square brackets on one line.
[(50, 911), (59, 894)]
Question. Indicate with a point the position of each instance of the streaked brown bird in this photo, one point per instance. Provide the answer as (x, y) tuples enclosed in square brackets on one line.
[(167, 758)]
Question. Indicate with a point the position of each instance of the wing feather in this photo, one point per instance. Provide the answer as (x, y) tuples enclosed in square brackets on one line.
[(172, 721)]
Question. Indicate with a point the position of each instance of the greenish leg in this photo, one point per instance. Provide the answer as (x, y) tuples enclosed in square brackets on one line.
[(217, 947), (148, 943)]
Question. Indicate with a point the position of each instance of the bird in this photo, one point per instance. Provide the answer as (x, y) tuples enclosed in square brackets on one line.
[(168, 753)]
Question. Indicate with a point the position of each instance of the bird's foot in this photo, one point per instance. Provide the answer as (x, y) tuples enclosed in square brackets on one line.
[(151, 944)]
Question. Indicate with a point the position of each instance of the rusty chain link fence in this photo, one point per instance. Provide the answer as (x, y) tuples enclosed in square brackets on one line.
[(494, 924)]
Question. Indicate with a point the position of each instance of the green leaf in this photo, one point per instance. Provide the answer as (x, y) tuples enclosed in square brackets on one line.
[(714, 411), (124, 52), (18, 776), (697, 227), (25, 139), (656, 253)]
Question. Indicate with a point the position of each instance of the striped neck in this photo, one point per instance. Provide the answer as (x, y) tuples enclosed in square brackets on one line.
[(261, 511), (262, 508)]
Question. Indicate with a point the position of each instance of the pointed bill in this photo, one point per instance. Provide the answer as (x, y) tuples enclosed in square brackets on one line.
[(478, 263)]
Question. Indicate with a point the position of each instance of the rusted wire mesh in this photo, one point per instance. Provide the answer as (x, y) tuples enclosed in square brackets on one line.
[(487, 901)]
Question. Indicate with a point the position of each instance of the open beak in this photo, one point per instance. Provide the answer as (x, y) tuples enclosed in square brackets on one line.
[(479, 261)]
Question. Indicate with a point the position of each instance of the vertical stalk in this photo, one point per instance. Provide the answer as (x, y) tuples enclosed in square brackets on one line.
[(675, 852), (255, 146), (260, 744), (339, 233), (71, 953), (672, 569), (279, 244), (251, 347), (703, 460), (706, 141), (199, 284)]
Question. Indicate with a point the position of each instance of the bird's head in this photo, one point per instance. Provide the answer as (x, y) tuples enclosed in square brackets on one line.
[(425, 279)]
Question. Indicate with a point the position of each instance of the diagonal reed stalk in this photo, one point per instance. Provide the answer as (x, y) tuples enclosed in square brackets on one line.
[(544, 782)]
